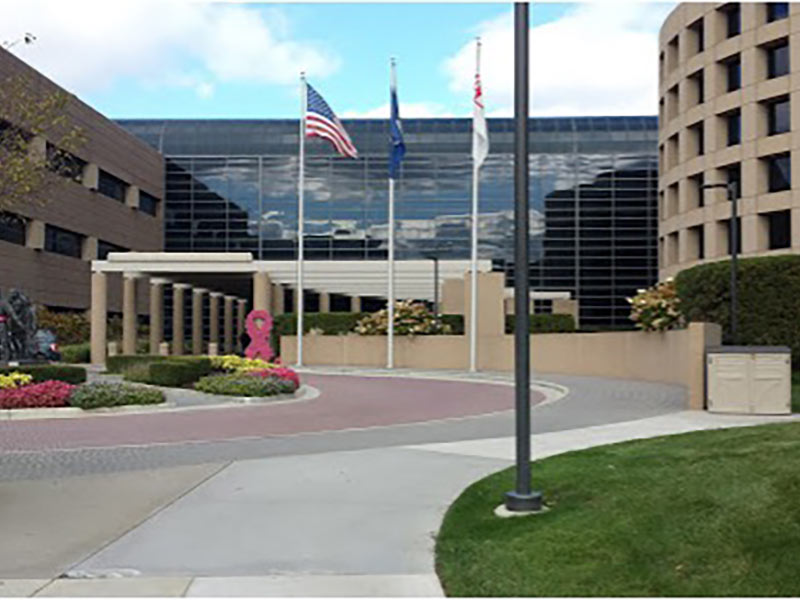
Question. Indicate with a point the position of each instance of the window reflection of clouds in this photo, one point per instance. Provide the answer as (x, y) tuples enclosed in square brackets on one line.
[(592, 180)]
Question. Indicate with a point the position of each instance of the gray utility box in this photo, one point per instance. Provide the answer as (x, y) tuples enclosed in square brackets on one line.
[(749, 379)]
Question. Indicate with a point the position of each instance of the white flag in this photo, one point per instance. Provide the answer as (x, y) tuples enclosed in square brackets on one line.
[(480, 135)]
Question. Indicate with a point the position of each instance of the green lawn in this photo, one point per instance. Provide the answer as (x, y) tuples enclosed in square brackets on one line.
[(702, 514)]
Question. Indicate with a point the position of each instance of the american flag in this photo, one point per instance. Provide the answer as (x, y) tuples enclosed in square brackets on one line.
[(322, 122)]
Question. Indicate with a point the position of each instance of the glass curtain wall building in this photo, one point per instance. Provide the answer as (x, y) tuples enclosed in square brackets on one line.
[(231, 185)]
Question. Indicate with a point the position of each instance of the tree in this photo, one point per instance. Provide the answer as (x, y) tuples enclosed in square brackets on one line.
[(30, 168)]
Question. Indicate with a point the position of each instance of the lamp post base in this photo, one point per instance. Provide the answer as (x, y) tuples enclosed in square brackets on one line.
[(516, 502)]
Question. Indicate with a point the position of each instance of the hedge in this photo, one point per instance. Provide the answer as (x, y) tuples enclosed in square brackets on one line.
[(96, 395), (768, 291), (175, 371), (244, 385), (117, 364), (75, 353), (545, 323), (41, 373)]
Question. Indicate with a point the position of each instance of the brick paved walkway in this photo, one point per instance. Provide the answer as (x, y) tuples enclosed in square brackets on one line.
[(345, 402)]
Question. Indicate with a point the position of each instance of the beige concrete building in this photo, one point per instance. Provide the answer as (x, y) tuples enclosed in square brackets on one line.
[(114, 205), (729, 92)]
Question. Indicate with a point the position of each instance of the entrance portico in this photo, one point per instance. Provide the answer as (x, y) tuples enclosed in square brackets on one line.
[(234, 282)]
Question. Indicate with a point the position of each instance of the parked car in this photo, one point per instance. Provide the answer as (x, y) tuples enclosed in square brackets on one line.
[(45, 345)]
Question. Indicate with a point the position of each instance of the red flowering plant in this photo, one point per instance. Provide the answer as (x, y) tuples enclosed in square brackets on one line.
[(37, 395), (281, 373)]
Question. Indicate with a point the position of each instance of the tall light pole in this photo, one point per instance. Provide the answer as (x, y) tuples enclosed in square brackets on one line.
[(435, 260), (522, 499), (733, 236)]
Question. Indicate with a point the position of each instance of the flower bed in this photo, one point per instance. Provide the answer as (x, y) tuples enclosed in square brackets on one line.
[(96, 395), (245, 384), (37, 395), (18, 390)]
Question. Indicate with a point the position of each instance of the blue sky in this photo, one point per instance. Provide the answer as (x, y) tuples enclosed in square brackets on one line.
[(177, 59)]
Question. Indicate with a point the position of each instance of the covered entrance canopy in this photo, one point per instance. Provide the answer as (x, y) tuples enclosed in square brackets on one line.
[(238, 279)]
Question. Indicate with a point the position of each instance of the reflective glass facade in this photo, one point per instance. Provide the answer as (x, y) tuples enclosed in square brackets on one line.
[(231, 185)]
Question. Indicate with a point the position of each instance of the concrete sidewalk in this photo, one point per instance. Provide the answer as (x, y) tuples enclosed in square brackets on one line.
[(357, 523)]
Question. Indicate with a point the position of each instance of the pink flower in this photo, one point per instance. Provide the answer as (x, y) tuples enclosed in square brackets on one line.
[(37, 395), (279, 372)]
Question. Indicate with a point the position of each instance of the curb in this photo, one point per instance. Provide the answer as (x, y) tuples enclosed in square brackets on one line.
[(305, 392)]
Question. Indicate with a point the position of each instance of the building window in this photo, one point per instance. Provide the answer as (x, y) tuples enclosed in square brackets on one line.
[(733, 18), (147, 203), (62, 241), (12, 228), (672, 53), (734, 68), (733, 175), (778, 119), (697, 190), (64, 163), (699, 87), (734, 128), (780, 229), (698, 242), (111, 186), (777, 11), (779, 172), (103, 248), (699, 138), (778, 60), (699, 34)]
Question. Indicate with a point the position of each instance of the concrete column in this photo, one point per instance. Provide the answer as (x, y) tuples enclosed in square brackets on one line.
[(213, 317), (197, 320), (132, 197), (324, 302), (228, 318), (452, 299), (129, 312), (277, 299), (156, 314), (262, 291), (355, 303), (241, 315), (177, 317), (567, 307), (34, 234), (491, 313), (99, 312), (91, 176)]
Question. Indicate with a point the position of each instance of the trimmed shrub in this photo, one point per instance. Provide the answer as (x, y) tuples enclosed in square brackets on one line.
[(41, 373), (171, 374), (69, 327), (768, 289), (454, 322), (546, 323), (244, 385), (37, 395), (657, 308), (328, 323), (96, 395), (232, 363), (117, 364), (76, 353)]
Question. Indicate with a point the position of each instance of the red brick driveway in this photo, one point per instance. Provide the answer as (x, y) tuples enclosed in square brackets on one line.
[(345, 402)]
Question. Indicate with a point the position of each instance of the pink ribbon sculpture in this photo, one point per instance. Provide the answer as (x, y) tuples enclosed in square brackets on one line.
[(259, 346)]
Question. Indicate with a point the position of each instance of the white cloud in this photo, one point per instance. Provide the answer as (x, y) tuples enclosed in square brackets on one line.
[(598, 59), (84, 45), (411, 110)]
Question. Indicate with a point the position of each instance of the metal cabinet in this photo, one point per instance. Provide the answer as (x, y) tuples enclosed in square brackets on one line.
[(749, 379)]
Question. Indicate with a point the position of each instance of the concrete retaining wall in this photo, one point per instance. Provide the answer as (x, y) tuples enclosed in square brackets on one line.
[(669, 357)]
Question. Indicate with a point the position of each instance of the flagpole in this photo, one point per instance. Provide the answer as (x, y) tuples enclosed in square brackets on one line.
[(473, 311), (301, 219), (390, 294)]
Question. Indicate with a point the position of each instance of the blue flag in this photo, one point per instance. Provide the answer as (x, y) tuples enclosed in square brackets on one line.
[(396, 127)]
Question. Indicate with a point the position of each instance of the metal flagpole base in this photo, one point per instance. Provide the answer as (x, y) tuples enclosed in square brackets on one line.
[(516, 502)]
